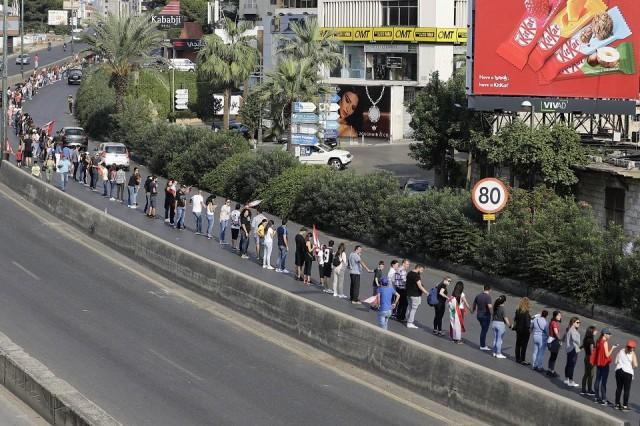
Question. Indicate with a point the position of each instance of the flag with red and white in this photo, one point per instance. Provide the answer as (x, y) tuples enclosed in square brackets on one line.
[(49, 127)]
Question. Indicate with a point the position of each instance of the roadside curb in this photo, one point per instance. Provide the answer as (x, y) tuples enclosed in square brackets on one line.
[(54, 399)]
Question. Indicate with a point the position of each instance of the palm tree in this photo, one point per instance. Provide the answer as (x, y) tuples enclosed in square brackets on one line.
[(123, 41), (229, 63), (312, 42), (292, 80)]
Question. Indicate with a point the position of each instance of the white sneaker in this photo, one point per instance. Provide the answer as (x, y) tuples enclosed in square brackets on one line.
[(409, 325), (343, 296), (166, 221), (485, 348), (264, 266), (500, 356), (567, 382), (573, 384), (284, 271), (278, 270), (336, 295), (270, 268), (112, 199)]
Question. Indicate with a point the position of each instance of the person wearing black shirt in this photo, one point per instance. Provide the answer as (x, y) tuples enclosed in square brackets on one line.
[(245, 230), (441, 290), (415, 290), (589, 345), (300, 253), (169, 202), (522, 325), (181, 205)]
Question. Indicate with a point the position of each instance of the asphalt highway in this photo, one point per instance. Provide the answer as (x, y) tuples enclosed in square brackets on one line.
[(44, 57), (148, 354), (50, 105)]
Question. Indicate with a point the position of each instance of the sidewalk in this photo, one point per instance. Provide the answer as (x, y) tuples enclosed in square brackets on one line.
[(50, 105)]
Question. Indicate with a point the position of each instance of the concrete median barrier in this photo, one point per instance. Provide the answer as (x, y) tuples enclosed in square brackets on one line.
[(54, 399), (457, 383)]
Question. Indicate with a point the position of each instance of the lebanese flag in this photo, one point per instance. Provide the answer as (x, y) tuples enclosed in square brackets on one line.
[(316, 240), (49, 127)]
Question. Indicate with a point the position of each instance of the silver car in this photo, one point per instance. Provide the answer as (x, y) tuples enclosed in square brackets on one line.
[(23, 59), (113, 154)]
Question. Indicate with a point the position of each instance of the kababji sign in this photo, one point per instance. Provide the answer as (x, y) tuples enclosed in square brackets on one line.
[(557, 48), (168, 21)]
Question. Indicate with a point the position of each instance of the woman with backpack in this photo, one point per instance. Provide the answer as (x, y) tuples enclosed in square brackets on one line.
[(601, 358), (339, 265), (457, 306), (439, 303)]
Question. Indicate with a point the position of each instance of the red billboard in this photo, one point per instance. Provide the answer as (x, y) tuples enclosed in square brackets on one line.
[(557, 48)]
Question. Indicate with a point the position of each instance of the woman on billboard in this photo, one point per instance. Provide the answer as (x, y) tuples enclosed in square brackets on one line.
[(350, 120)]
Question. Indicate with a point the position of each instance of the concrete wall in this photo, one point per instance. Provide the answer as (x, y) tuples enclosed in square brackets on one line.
[(54, 399), (452, 381)]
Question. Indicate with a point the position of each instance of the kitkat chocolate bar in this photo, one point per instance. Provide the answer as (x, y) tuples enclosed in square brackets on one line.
[(566, 23), (518, 46), (606, 60), (604, 29)]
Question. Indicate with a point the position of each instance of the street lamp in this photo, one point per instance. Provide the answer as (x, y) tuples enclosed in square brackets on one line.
[(528, 105)]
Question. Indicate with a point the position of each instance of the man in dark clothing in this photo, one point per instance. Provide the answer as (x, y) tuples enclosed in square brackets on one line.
[(440, 307), (400, 282), (300, 252), (482, 305)]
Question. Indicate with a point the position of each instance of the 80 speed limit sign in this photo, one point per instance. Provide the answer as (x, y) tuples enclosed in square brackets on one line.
[(489, 195)]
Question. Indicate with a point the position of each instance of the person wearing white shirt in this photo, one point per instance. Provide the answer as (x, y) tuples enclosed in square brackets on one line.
[(225, 214), (197, 204), (626, 361), (255, 222)]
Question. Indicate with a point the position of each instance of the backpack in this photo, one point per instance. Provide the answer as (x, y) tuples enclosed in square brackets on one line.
[(336, 261), (432, 298)]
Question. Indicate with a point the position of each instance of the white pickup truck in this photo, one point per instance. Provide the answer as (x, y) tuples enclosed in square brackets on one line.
[(322, 154)]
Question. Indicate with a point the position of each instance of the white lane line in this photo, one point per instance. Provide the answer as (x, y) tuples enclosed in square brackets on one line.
[(177, 366), (25, 270)]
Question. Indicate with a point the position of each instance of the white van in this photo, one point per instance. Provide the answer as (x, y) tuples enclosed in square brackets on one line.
[(182, 64)]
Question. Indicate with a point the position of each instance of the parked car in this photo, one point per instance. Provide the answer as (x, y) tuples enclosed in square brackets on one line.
[(416, 186), (111, 153), (322, 154), (182, 64), (74, 136), (23, 59), (74, 76), (234, 127)]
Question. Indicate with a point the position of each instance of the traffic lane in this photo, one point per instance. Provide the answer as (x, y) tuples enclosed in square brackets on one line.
[(147, 357), (45, 57), (52, 106), (387, 157)]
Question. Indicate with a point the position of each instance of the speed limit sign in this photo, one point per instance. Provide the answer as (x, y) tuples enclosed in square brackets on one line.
[(489, 195)]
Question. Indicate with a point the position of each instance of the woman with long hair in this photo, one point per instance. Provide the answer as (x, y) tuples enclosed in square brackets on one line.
[(589, 345), (522, 326), (308, 258), (601, 357), (500, 322), (553, 342), (457, 305), (572, 344), (339, 265)]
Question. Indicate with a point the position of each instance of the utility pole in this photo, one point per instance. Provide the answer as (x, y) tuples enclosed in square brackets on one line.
[(5, 98), (22, 38)]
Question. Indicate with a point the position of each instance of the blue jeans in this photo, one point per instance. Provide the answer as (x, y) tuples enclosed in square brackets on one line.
[(572, 357), (198, 218), (383, 319), (484, 321), (498, 332), (602, 374), (112, 189), (282, 258), (63, 180), (179, 217), (105, 185), (131, 197), (539, 346), (209, 224), (223, 229), (244, 242)]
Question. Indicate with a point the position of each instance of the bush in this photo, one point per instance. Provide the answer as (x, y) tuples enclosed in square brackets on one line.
[(95, 102), (346, 203), (204, 151), (282, 192), (133, 125), (256, 171), (217, 181), (433, 224)]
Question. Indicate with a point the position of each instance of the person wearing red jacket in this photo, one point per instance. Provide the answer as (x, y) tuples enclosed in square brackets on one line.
[(601, 358)]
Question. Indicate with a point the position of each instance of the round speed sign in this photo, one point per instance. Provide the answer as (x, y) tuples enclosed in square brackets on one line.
[(489, 195)]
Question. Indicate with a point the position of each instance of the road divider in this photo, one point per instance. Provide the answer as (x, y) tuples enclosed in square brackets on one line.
[(55, 400), (490, 396)]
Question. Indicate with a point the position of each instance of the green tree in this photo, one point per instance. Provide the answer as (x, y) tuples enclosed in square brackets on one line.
[(36, 13), (195, 10), (546, 154), (249, 112), (228, 64), (122, 41), (310, 41), (441, 123), (95, 103)]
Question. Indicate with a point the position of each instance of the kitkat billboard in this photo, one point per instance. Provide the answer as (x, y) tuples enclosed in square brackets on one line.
[(557, 48)]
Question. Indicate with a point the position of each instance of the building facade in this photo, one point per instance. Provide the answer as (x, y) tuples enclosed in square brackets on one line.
[(117, 7), (390, 49)]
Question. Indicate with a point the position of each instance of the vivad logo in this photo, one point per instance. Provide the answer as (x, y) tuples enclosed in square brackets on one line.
[(556, 105)]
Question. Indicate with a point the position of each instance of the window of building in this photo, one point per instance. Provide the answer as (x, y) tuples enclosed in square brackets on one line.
[(460, 12), (614, 206), (299, 4), (400, 13), (392, 66), (353, 64)]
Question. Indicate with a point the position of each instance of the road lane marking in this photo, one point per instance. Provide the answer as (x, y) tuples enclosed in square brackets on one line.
[(25, 270), (176, 365)]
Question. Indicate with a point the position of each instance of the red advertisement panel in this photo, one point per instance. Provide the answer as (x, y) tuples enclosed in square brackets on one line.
[(558, 48)]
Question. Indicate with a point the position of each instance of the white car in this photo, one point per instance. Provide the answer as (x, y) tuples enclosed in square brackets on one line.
[(111, 153), (322, 154), (182, 64)]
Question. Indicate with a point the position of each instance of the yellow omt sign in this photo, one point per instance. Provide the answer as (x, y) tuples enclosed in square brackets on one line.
[(400, 34), (403, 33), (362, 34)]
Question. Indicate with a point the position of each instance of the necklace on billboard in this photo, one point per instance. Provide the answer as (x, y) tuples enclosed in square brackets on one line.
[(374, 111)]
